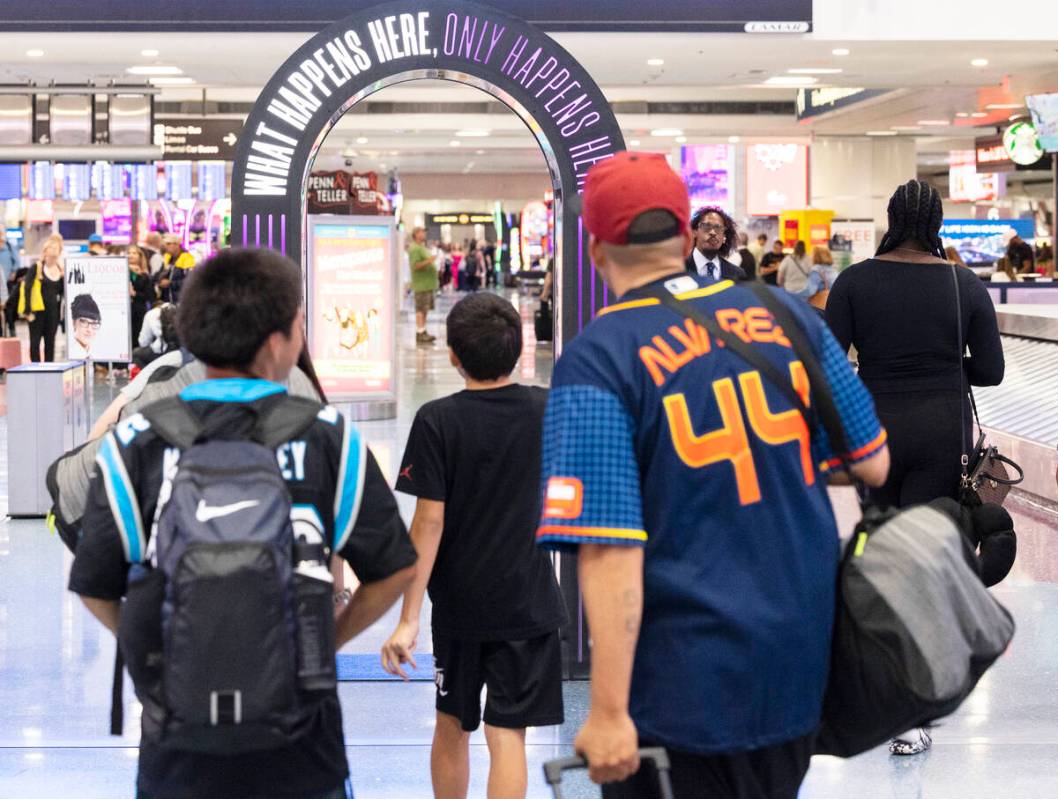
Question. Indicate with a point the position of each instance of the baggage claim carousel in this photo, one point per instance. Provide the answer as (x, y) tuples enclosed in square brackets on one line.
[(1021, 415)]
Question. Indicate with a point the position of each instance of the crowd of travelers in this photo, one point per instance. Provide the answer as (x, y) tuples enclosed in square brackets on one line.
[(707, 546)]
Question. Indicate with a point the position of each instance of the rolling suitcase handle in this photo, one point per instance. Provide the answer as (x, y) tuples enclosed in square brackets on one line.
[(553, 770)]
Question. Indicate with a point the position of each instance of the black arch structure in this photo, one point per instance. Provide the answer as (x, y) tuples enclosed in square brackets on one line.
[(401, 41), (458, 41)]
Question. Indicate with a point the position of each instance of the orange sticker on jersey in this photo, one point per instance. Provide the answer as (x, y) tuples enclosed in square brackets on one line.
[(564, 498)]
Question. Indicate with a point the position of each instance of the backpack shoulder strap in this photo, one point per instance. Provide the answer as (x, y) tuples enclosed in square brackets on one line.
[(285, 419), (173, 420)]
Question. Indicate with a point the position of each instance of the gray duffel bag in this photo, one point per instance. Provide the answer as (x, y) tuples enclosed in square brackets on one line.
[(915, 629)]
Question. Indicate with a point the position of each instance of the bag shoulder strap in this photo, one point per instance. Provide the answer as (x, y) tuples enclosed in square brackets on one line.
[(822, 398), (822, 402), (964, 387)]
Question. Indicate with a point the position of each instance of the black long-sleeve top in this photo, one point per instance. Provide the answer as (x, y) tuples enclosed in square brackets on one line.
[(901, 317)]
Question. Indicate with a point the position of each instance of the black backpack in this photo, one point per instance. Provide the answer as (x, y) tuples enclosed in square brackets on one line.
[(228, 631)]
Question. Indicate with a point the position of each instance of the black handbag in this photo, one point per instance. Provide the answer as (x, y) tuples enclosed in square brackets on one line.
[(985, 477)]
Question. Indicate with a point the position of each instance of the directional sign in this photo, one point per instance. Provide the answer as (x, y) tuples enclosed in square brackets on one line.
[(198, 139)]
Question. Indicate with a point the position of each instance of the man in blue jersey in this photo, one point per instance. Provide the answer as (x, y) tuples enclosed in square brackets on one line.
[(695, 496)]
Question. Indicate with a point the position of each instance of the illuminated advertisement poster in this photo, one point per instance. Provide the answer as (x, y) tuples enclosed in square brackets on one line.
[(705, 169), (776, 178), (97, 309), (352, 305), (117, 221), (984, 241)]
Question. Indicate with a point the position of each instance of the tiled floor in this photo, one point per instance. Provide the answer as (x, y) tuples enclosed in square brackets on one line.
[(55, 671)]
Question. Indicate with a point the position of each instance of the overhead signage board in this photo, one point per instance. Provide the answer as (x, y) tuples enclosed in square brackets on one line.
[(993, 156), (98, 318), (352, 306), (198, 139), (727, 16), (816, 102)]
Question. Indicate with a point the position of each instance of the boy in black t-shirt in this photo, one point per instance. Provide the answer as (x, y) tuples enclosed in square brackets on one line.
[(473, 461)]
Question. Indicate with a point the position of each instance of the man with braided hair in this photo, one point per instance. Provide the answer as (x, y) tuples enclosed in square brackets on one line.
[(912, 332)]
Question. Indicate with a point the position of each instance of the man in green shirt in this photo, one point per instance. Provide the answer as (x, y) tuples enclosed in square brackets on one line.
[(423, 283)]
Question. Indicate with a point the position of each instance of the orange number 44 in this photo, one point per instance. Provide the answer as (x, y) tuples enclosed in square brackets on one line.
[(730, 442)]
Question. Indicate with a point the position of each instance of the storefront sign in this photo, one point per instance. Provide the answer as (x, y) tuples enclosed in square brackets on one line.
[(1023, 143), (815, 102), (352, 290), (966, 184), (993, 156), (776, 178), (198, 140), (98, 319), (852, 241), (730, 16)]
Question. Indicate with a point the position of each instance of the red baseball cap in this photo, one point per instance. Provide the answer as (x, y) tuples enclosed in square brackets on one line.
[(621, 188)]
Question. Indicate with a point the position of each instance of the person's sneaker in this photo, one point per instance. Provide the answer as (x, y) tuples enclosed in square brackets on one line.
[(914, 745)]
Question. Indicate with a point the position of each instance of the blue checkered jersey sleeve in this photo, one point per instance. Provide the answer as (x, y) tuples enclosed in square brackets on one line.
[(864, 434), (589, 469)]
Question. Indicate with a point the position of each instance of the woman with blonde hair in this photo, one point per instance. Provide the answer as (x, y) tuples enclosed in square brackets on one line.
[(141, 290), (40, 300), (822, 278)]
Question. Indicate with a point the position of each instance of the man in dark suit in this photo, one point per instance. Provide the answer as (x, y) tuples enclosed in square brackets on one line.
[(714, 236)]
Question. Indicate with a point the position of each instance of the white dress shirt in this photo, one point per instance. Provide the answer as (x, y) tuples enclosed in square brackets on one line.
[(707, 267)]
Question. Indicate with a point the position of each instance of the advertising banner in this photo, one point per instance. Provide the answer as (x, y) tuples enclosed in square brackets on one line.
[(352, 298), (776, 178), (98, 319), (984, 241), (852, 241), (706, 170)]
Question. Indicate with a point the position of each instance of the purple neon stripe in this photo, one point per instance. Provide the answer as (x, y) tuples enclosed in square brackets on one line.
[(580, 274), (257, 230), (594, 280), (580, 627), (270, 232), (245, 231), (605, 295), (283, 233)]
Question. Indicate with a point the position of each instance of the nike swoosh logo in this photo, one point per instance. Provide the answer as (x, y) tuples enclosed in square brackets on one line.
[(205, 513)]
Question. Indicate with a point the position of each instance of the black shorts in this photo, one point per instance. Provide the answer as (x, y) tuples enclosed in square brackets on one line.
[(524, 680), (775, 772)]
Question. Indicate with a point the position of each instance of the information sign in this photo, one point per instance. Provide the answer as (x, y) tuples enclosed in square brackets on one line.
[(352, 297)]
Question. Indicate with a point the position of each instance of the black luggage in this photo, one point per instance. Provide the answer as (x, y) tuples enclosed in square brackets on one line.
[(544, 322), (553, 770)]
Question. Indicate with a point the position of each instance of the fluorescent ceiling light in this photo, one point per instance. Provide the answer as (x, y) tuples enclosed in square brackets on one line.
[(905, 127), (881, 133), (814, 71), (148, 53), (633, 143), (479, 152), (979, 62), (655, 62), (394, 152), (35, 53), (840, 51), (361, 140), (934, 123), (1004, 106), (666, 132), (170, 81), (962, 114), (978, 114), (681, 139), (473, 134), (154, 70), (734, 139), (455, 143), (791, 80)]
